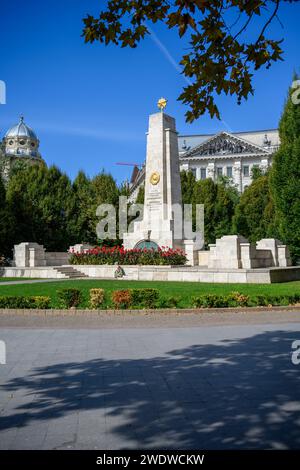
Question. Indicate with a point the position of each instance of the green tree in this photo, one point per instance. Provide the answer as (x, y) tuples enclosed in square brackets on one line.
[(205, 192), (227, 41), (2, 194), (6, 225), (141, 195), (106, 192), (256, 172), (188, 182), (254, 214), (285, 177), (42, 203), (85, 216), (106, 189), (227, 199)]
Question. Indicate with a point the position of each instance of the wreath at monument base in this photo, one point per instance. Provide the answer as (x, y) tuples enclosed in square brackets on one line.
[(119, 272)]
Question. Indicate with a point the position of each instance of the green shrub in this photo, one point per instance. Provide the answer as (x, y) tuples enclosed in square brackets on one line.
[(211, 301), (145, 298), (260, 300), (122, 298), (169, 302), (97, 297), (236, 299), (265, 300), (37, 302), (69, 298), (41, 302), (293, 298)]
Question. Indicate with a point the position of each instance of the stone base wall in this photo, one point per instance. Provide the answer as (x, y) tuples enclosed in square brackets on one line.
[(236, 252), (56, 258), (34, 255), (168, 273)]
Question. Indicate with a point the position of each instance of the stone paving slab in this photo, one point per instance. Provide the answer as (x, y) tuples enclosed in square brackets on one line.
[(144, 388)]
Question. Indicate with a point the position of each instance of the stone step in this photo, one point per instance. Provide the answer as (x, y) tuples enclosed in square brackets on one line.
[(70, 272)]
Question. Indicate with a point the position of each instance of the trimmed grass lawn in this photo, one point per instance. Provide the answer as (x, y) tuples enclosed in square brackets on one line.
[(184, 290), (7, 279)]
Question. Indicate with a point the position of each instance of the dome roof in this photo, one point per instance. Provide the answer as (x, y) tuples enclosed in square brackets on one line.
[(21, 130)]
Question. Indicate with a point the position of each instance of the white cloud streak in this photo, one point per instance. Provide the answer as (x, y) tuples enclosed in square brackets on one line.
[(174, 63)]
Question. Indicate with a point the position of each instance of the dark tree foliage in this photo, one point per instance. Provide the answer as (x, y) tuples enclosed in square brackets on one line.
[(254, 214), (219, 201), (2, 194), (5, 224), (285, 176), (188, 181), (42, 204), (226, 201), (85, 216), (141, 195), (228, 41)]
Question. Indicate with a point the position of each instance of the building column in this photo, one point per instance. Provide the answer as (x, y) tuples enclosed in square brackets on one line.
[(211, 170), (264, 165), (237, 175)]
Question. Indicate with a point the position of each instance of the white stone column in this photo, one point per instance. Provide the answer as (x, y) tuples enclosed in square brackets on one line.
[(211, 170), (264, 165), (162, 185), (237, 174)]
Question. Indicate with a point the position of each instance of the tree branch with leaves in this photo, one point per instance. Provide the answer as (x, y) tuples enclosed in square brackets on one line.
[(220, 59)]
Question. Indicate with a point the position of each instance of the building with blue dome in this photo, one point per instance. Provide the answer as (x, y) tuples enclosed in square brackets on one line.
[(19, 146)]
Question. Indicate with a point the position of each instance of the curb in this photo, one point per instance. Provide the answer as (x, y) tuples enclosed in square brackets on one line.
[(165, 311)]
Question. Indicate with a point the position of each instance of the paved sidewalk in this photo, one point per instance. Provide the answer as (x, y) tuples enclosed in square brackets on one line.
[(146, 319), (30, 281), (186, 388)]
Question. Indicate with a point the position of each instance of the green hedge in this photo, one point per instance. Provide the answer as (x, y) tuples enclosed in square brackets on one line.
[(235, 299), (69, 298), (25, 302), (146, 298)]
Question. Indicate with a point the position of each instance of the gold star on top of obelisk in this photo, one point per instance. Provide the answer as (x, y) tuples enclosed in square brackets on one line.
[(162, 103)]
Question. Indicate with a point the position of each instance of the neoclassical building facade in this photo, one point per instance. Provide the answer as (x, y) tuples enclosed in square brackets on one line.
[(20, 144), (233, 155)]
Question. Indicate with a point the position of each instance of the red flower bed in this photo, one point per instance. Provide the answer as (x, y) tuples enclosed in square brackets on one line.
[(118, 255)]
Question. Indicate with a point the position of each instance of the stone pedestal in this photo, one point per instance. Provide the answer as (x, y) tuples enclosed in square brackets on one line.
[(235, 252), (284, 257), (226, 253), (279, 253), (29, 255)]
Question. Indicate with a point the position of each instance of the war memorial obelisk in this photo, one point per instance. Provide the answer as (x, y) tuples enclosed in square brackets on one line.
[(162, 189)]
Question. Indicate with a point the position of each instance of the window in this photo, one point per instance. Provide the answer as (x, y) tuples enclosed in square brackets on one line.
[(193, 170), (229, 171), (246, 170), (219, 171), (203, 173)]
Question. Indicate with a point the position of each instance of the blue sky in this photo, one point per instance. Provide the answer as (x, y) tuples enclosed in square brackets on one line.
[(89, 104)]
